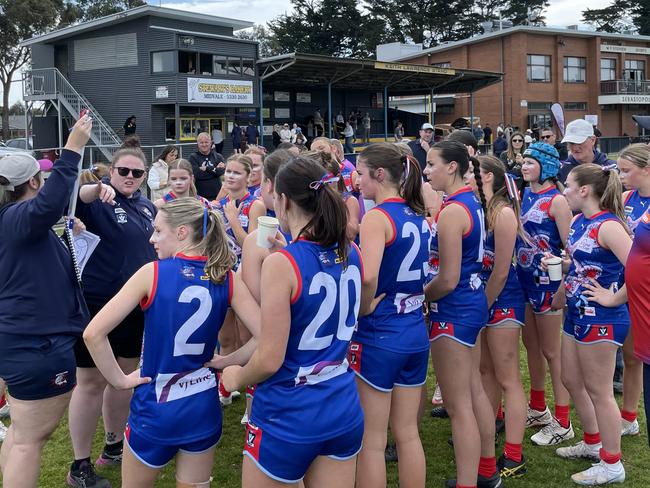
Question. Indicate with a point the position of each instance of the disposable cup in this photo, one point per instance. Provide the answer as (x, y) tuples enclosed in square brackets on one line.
[(266, 227), (554, 266)]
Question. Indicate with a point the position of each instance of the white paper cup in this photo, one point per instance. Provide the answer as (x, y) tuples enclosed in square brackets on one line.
[(266, 227), (554, 266)]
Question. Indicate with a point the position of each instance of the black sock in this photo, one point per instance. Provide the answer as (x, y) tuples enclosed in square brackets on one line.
[(115, 448), (77, 463)]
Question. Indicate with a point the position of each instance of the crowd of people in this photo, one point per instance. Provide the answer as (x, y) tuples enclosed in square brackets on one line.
[(419, 250)]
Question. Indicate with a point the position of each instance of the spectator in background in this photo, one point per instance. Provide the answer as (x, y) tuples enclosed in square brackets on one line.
[(294, 132), (318, 123), (252, 133), (548, 136), (276, 136), (581, 140), (348, 134), (366, 128), (217, 140), (352, 120), (310, 130), (129, 126), (399, 131), (157, 179), (487, 134), (477, 132), (207, 166), (528, 137), (421, 146), (500, 144), (285, 133), (235, 138), (513, 158)]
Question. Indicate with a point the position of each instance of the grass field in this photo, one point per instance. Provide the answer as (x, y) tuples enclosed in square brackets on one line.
[(545, 469)]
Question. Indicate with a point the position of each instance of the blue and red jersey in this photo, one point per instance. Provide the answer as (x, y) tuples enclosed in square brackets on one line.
[(246, 203), (511, 295), (183, 316), (169, 196), (635, 208), (637, 278)]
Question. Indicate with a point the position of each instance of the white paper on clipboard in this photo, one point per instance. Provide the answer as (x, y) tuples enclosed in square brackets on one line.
[(84, 244)]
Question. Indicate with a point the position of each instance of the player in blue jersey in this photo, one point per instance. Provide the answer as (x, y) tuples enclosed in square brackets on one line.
[(458, 311), (389, 350), (175, 411), (634, 166), (546, 218), (500, 346), (306, 420), (598, 246), (181, 180), (257, 156)]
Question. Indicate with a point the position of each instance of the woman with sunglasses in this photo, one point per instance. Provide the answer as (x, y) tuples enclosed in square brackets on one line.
[(124, 228), (513, 158)]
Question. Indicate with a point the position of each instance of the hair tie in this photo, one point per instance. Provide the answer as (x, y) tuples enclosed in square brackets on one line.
[(205, 221), (325, 179), (609, 167), (511, 186)]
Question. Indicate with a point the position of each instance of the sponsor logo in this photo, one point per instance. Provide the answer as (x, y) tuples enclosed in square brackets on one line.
[(321, 371), (407, 303), (60, 379), (170, 387)]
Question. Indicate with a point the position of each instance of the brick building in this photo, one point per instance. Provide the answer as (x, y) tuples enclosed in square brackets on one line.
[(588, 73)]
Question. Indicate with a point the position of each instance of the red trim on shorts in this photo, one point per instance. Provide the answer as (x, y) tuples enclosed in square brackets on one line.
[(145, 304), (296, 270)]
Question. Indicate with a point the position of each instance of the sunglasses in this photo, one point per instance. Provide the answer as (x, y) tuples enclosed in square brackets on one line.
[(517, 140), (137, 173), (546, 137)]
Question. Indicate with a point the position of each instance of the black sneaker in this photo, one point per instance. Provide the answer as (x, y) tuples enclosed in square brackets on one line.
[(390, 453), (493, 481), (85, 477), (439, 413), (511, 469)]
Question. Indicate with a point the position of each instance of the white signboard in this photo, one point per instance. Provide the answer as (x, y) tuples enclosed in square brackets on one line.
[(303, 97), (282, 113), (523, 103), (162, 92), (207, 90), (608, 48), (623, 99), (282, 96), (268, 130)]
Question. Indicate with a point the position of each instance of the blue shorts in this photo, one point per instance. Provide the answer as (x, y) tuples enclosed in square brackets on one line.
[(595, 333), (288, 462), (510, 314), (38, 367), (540, 301), (383, 369), (158, 455), (464, 334)]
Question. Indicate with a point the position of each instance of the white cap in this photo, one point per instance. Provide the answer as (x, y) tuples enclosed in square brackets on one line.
[(426, 126), (578, 131), (18, 169)]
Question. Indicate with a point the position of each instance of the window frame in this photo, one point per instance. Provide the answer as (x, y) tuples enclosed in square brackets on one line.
[(547, 66), (611, 69), (174, 57), (581, 67)]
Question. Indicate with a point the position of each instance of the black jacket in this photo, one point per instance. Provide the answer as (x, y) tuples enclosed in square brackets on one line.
[(208, 182)]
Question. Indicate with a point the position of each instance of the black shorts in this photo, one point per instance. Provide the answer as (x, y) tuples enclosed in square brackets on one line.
[(38, 367), (125, 339)]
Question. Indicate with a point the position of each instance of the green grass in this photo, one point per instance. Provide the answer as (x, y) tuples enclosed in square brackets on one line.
[(544, 467)]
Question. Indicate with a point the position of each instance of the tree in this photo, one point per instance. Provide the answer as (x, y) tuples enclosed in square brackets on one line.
[(613, 18), (261, 34), (20, 20), (94, 9)]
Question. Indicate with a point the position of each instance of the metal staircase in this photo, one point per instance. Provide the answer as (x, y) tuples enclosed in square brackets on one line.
[(50, 84)]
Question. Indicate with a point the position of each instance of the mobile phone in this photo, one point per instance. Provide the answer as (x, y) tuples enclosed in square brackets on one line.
[(83, 112)]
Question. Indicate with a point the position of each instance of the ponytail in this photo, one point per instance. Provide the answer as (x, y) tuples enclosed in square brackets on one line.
[(303, 183), (411, 189), (476, 167), (208, 234)]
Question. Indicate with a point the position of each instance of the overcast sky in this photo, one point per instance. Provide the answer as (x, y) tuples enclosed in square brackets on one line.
[(560, 14)]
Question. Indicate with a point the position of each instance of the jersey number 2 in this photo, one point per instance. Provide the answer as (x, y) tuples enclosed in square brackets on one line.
[(196, 320)]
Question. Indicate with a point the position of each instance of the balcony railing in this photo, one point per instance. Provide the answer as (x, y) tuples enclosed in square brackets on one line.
[(625, 87)]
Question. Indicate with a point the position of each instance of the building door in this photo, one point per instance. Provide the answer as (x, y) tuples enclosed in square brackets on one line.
[(61, 59), (634, 74)]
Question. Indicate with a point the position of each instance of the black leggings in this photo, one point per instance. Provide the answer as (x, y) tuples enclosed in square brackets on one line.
[(646, 394)]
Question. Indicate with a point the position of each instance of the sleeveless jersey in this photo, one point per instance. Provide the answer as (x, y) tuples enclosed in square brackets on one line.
[(313, 396), (638, 288), (246, 202), (183, 316), (635, 208), (511, 295), (397, 324), (467, 304), (543, 236), (346, 175), (591, 261), (168, 197), (255, 190)]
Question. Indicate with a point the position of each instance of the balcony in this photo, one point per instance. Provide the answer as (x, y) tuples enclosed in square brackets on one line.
[(625, 92)]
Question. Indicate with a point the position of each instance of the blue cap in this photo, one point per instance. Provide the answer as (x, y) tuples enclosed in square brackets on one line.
[(547, 157)]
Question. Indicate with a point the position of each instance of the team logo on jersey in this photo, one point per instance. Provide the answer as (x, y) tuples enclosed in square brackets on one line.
[(187, 272), (147, 212), (594, 333), (60, 379), (253, 440), (439, 329), (120, 215), (354, 356), (646, 218), (502, 314)]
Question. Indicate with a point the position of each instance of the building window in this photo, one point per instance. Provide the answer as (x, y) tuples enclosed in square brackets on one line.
[(187, 62), (220, 65), (575, 105), (607, 69), (162, 62), (634, 69), (539, 105), (539, 68), (205, 64), (445, 64), (575, 70)]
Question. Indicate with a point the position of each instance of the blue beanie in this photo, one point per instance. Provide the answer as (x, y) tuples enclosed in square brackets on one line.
[(547, 157)]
